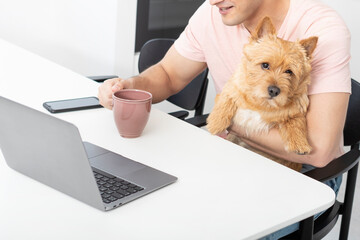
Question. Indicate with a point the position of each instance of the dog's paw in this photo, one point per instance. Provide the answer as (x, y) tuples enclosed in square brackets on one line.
[(302, 152), (216, 125), (299, 149), (214, 129)]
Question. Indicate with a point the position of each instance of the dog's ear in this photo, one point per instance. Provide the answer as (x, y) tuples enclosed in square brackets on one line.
[(309, 45), (265, 27)]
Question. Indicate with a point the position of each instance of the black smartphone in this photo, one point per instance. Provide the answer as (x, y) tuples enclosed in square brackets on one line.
[(72, 104)]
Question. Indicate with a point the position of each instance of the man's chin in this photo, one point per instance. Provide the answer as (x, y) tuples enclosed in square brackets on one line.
[(229, 22)]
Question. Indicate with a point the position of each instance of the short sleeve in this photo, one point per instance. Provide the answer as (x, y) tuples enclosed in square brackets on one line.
[(331, 58), (188, 42)]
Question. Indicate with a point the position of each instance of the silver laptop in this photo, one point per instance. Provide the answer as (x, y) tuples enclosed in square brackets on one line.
[(51, 151)]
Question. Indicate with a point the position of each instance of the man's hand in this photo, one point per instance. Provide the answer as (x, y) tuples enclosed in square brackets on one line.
[(108, 87)]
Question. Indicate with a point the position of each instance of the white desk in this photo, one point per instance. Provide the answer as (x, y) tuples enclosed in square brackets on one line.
[(223, 191)]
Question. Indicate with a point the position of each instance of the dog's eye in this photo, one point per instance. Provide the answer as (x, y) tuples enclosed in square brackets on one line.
[(265, 66), (289, 72)]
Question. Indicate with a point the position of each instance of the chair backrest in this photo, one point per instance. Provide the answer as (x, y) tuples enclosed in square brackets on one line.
[(352, 129), (192, 97)]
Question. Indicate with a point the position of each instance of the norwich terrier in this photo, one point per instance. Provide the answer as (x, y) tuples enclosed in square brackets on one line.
[(268, 90)]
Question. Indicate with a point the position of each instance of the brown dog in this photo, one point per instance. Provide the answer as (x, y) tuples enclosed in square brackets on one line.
[(268, 90)]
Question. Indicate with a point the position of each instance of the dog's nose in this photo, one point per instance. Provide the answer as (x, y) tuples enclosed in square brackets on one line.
[(273, 91)]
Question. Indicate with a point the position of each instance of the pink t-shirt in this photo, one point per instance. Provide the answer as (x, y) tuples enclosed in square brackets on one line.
[(207, 39)]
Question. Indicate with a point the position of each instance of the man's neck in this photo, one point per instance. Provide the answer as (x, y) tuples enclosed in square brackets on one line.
[(275, 9)]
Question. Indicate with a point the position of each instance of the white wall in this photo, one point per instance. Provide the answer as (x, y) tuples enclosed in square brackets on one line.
[(94, 37), (91, 37)]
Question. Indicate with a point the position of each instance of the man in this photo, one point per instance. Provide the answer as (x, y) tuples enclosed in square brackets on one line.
[(214, 38)]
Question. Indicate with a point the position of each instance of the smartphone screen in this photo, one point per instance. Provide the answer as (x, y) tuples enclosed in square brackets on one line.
[(72, 104)]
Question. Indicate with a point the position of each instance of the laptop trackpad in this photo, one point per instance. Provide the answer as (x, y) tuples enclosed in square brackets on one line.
[(115, 164)]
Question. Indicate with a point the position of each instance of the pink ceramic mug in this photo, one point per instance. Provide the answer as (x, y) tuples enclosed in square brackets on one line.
[(131, 111)]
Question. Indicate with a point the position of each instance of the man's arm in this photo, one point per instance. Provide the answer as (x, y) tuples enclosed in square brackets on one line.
[(325, 123), (164, 79)]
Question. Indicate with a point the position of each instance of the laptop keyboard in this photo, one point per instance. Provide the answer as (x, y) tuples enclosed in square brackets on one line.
[(113, 188)]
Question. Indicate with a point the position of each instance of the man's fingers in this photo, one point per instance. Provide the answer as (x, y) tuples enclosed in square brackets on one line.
[(117, 87), (105, 92), (108, 87)]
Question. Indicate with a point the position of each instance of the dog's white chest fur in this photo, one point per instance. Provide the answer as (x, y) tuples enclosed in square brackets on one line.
[(251, 121)]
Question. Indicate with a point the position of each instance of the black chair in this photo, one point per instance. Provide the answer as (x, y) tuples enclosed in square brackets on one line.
[(102, 78), (192, 97), (349, 162)]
